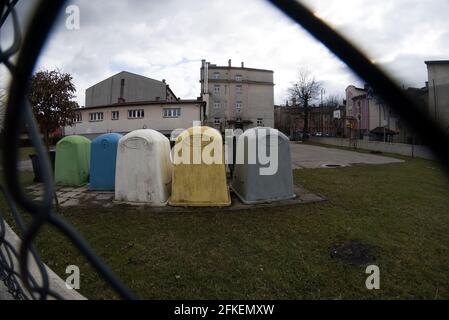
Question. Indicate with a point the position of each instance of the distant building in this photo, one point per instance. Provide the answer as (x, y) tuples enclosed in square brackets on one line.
[(375, 119), (237, 97), (323, 120), (127, 87), (438, 83), (127, 102)]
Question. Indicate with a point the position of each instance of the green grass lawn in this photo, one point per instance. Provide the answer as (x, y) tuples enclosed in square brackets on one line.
[(400, 211)]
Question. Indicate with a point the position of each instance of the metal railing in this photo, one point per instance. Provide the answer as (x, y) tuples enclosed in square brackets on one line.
[(22, 284)]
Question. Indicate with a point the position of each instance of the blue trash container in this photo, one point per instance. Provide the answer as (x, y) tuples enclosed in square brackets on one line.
[(102, 162)]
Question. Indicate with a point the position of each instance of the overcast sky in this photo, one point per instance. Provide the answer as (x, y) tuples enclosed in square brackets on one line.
[(168, 39)]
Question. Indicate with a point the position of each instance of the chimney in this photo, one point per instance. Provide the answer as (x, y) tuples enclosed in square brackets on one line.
[(243, 64), (229, 63), (163, 80)]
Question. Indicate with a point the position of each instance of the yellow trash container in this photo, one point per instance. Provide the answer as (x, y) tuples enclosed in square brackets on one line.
[(199, 174)]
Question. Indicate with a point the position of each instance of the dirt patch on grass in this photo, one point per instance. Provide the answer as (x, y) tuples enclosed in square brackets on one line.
[(352, 252)]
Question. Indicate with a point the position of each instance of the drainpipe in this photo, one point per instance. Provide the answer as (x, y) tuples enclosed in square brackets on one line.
[(435, 99)]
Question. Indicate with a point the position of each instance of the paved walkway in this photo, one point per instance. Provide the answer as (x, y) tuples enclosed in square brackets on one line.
[(311, 157), (25, 165)]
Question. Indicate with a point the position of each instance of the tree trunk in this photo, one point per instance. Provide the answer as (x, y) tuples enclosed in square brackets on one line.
[(46, 138), (305, 130)]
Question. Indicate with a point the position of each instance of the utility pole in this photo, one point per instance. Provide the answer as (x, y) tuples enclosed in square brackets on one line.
[(435, 99)]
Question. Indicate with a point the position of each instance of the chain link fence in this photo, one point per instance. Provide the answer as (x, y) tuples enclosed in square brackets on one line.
[(16, 259)]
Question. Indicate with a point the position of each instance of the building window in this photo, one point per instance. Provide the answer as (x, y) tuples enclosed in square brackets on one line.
[(260, 122), (238, 106), (238, 89), (78, 117), (136, 114), (217, 89), (217, 121), (238, 77), (216, 75), (216, 105), (114, 115), (96, 116), (172, 113)]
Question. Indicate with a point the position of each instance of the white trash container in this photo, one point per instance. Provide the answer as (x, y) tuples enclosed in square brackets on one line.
[(144, 169)]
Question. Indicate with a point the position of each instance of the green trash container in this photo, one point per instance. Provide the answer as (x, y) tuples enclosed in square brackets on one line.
[(72, 161)]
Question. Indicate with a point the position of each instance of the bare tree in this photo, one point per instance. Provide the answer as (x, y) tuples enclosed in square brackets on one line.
[(333, 101), (305, 90)]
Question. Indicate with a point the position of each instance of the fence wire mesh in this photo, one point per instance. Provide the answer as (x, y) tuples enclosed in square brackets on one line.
[(14, 262)]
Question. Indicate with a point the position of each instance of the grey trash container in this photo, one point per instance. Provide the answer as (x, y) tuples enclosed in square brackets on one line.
[(248, 183)]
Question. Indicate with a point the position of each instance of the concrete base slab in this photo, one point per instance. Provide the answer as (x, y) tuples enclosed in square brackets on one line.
[(93, 199), (313, 157)]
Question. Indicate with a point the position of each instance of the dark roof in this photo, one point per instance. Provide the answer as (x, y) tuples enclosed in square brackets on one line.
[(357, 88), (437, 62), (143, 103), (171, 91), (131, 73), (382, 130)]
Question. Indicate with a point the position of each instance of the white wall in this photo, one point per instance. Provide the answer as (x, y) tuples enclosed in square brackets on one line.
[(395, 148), (153, 119), (438, 75)]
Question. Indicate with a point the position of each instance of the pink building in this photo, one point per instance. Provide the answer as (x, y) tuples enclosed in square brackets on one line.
[(373, 116)]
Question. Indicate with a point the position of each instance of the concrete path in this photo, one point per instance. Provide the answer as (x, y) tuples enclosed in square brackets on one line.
[(25, 165), (311, 157)]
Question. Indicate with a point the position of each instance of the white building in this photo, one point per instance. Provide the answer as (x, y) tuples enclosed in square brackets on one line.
[(163, 116), (373, 116), (126, 102), (438, 79), (237, 97)]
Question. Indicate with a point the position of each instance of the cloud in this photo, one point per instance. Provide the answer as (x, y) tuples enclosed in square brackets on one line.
[(168, 39)]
